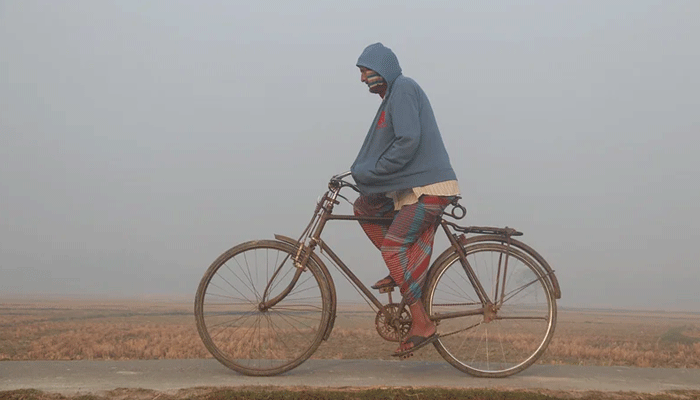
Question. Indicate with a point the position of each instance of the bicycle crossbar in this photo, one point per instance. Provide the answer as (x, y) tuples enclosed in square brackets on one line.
[(360, 218)]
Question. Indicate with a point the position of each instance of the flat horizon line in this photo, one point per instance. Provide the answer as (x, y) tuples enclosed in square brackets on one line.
[(181, 298)]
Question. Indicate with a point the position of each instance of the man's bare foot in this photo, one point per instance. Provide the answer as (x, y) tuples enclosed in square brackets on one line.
[(414, 343), (387, 281), (422, 329)]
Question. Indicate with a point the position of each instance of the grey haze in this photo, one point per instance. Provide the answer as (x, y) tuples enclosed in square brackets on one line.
[(139, 140)]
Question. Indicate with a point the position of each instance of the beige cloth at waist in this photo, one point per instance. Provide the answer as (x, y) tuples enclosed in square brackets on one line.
[(410, 196)]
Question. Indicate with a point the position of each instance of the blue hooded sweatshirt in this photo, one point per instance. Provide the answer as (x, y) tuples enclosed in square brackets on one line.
[(403, 148)]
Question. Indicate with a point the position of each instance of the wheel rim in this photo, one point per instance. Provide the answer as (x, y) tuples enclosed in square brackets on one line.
[(518, 330), (251, 339)]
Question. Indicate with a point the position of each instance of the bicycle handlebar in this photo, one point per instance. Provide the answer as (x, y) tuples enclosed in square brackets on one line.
[(337, 182)]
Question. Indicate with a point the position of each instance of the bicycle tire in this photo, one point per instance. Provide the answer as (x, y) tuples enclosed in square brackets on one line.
[(261, 342), (522, 327)]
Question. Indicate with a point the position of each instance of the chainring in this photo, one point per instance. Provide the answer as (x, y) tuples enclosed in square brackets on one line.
[(385, 328)]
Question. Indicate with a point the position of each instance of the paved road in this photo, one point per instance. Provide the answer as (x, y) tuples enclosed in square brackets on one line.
[(70, 377)]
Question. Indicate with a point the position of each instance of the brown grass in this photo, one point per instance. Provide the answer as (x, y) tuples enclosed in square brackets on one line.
[(120, 330)]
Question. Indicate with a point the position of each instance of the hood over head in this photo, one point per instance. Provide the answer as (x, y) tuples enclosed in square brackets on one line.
[(382, 60)]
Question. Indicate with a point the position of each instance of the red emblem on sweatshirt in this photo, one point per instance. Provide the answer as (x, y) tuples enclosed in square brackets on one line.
[(381, 123)]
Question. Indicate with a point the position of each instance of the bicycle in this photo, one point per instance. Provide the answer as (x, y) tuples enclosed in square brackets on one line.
[(263, 307)]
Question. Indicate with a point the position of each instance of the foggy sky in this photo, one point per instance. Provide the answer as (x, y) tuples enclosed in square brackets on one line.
[(139, 140)]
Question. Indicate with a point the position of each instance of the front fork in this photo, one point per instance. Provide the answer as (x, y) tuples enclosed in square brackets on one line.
[(299, 260), (311, 233)]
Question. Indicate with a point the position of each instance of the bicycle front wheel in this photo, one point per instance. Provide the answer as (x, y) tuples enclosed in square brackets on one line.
[(499, 340), (244, 334)]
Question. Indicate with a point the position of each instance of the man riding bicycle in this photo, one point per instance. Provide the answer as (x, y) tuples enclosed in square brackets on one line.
[(403, 170)]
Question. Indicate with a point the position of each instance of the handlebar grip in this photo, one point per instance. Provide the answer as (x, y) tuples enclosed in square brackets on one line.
[(341, 175)]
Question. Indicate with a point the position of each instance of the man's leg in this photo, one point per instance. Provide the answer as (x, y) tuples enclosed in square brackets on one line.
[(374, 206), (407, 248)]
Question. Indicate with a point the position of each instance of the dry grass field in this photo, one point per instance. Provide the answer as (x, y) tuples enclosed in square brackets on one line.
[(130, 329)]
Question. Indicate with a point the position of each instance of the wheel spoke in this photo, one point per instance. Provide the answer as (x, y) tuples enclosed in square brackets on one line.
[(247, 275), (516, 291), (231, 286)]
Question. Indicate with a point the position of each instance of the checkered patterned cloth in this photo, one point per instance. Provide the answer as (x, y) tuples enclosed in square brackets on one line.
[(407, 243)]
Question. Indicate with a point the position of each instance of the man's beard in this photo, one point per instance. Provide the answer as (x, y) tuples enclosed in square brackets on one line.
[(376, 89)]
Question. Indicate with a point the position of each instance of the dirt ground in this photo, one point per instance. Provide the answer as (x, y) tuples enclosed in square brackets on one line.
[(274, 393)]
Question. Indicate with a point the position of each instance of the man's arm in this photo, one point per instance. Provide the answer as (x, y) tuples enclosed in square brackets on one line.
[(405, 117)]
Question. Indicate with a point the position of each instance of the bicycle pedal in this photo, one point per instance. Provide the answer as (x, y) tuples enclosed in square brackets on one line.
[(387, 289)]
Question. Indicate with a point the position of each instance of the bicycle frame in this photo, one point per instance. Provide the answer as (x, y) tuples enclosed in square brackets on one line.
[(311, 237)]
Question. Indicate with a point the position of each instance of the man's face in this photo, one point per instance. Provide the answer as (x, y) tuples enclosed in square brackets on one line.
[(363, 74), (371, 78)]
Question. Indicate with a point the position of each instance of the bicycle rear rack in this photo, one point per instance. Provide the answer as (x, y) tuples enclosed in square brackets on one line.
[(487, 230)]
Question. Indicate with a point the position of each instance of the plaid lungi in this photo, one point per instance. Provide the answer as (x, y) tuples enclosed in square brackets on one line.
[(407, 243)]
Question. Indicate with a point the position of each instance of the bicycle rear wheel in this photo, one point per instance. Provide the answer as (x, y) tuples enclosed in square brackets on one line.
[(255, 340), (519, 327)]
